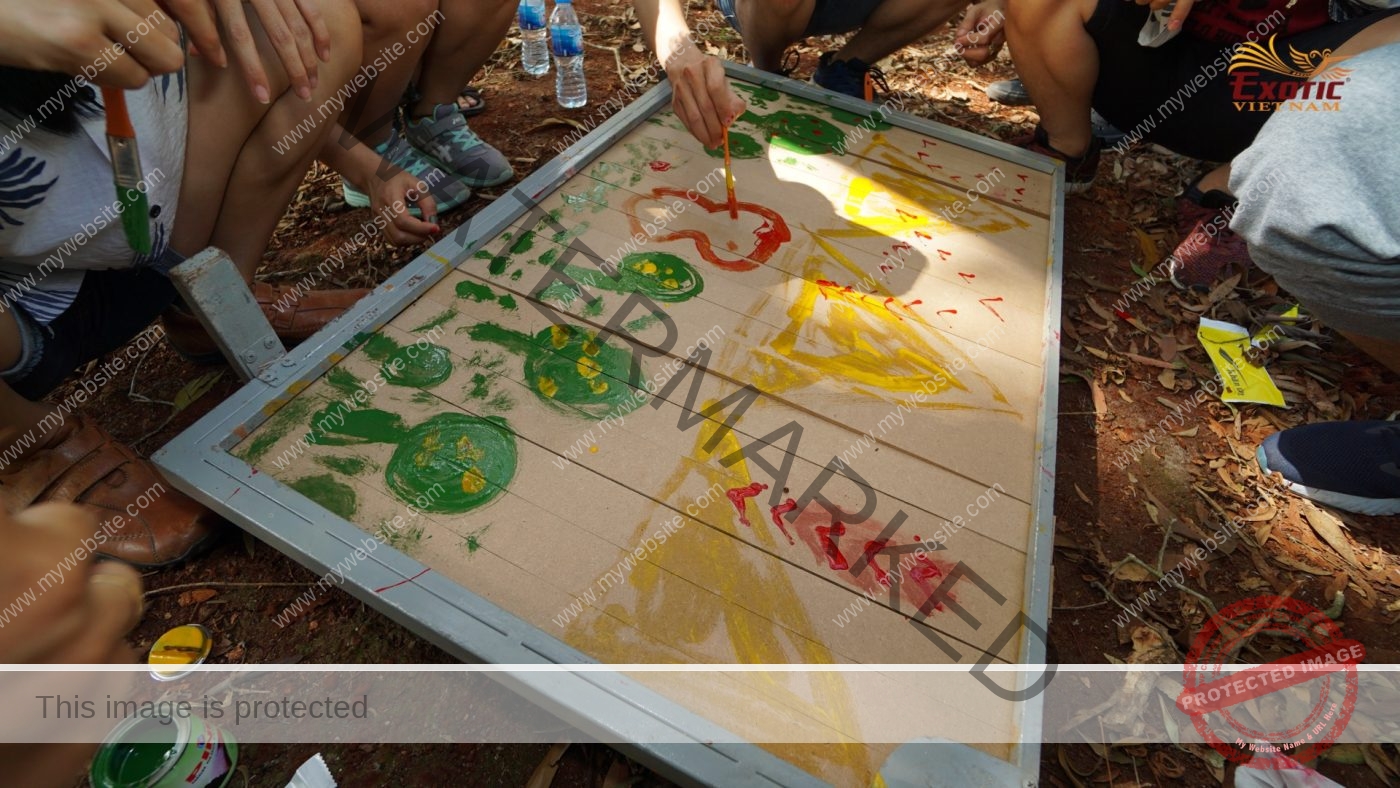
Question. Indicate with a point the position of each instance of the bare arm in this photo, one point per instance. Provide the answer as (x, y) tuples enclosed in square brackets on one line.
[(701, 93)]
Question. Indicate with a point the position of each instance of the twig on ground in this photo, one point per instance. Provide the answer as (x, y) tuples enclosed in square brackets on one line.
[(217, 584)]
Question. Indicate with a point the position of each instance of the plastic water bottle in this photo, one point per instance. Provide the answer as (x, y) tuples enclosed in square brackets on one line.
[(566, 39), (534, 49)]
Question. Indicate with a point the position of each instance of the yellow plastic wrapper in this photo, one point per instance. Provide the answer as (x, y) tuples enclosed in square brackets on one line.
[(1241, 380)]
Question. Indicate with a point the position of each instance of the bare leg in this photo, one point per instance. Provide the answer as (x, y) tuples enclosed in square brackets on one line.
[(469, 31), (17, 415), (1383, 350), (770, 26), (236, 184), (1059, 64), (391, 27), (896, 24)]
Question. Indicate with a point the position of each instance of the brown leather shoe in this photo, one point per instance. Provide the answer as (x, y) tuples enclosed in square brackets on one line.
[(145, 521), (294, 315)]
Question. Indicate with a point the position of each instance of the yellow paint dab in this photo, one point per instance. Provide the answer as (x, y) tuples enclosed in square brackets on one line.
[(591, 348), (598, 386), (671, 284), (548, 387), (473, 482), (588, 368), (559, 336), (646, 267)]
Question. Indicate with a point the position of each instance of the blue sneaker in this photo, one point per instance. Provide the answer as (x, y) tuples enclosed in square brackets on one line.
[(852, 77), (445, 138), (1351, 465), (448, 192)]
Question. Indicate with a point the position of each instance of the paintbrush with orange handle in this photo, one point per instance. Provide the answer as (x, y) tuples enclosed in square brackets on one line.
[(729, 179), (126, 171)]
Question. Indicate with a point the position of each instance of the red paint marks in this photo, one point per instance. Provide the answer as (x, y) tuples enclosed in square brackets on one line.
[(777, 513), (770, 235), (887, 307), (401, 582), (918, 574), (1021, 191), (1124, 316), (983, 302), (1023, 177), (955, 177), (946, 312), (914, 303), (923, 235), (944, 254), (928, 142), (660, 166), (235, 492), (834, 559), (923, 154), (967, 277), (899, 246), (740, 495), (913, 217)]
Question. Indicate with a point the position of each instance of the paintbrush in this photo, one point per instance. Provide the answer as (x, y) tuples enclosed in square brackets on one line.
[(729, 179), (126, 171)]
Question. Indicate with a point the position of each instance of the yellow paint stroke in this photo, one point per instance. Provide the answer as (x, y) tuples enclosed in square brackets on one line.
[(837, 333), (769, 625)]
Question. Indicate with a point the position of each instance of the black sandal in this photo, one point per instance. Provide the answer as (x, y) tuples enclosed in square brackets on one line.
[(472, 94)]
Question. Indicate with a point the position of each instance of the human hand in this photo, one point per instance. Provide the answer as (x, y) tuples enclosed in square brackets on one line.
[(982, 32), (79, 36), (82, 618), (1179, 13), (296, 29), (701, 95), (390, 197)]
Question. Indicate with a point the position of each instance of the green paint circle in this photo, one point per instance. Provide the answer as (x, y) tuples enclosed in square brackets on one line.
[(802, 133), (466, 459), (741, 146), (660, 276), (419, 366), (555, 369)]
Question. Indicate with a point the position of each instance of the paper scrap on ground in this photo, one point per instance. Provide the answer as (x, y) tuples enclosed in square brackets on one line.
[(1241, 381), (313, 774)]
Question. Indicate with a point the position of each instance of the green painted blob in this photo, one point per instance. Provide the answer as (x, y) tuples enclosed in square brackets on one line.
[(759, 95), (473, 540), (642, 323), (350, 466), (335, 426), (336, 496), (436, 320), (419, 365), (523, 243), (282, 422), (794, 131), (344, 381), (474, 291), (516, 274), (481, 386), (507, 302), (549, 256), (498, 265), (454, 462), (380, 347), (567, 365), (741, 146), (657, 275)]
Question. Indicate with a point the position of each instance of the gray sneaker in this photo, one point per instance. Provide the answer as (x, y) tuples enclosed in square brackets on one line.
[(448, 192), (453, 146)]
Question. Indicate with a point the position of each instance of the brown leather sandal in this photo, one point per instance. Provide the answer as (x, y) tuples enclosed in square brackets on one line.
[(294, 315), (145, 521)]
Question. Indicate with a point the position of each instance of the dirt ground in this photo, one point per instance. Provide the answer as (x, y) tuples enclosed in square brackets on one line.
[(1120, 375)]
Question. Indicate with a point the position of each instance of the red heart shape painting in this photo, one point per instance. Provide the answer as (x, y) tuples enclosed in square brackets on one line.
[(771, 234)]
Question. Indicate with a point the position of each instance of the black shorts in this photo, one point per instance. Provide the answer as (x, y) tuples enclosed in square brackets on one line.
[(1178, 95), (111, 307)]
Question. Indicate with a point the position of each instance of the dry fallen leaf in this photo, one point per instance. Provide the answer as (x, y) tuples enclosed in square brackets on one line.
[(1133, 573), (196, 596)]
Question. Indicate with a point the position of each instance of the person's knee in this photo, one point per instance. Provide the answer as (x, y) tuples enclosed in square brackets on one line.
[(389, 20), (343, 24), (1033, 15)]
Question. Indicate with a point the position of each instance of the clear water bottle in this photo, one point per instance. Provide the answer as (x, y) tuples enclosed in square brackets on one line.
[(566, 39), (534, 49)]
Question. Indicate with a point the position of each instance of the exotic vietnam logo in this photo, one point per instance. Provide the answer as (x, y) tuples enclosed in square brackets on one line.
[(1306, 82)]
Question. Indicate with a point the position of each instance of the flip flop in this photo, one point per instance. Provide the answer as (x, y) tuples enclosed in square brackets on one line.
[(472, 95)]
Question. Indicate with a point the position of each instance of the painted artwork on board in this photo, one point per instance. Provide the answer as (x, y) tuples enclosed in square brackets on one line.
[(629, 364)]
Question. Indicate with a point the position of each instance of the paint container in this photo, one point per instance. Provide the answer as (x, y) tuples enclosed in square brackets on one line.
[(165, 753), (179, 651)]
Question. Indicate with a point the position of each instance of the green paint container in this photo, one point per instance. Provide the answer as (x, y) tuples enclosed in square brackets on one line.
[(165, 753)]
